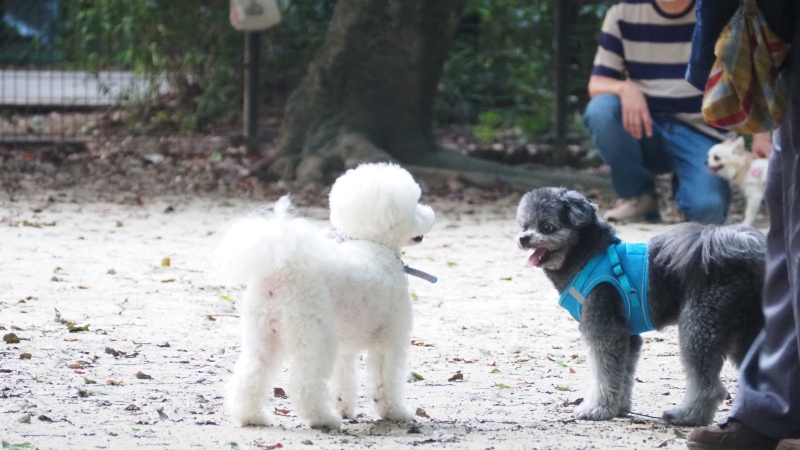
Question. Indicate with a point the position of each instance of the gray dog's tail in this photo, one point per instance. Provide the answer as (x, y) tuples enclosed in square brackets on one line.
[(687, 246)]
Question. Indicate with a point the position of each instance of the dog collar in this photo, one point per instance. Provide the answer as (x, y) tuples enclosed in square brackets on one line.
[(419, 274), (341, 237)]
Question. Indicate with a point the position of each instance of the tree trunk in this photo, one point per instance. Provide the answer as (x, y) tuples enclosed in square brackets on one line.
[(368, 96), (368, 93)]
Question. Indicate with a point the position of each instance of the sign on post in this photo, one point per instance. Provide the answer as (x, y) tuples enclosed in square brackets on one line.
[(254, 15)]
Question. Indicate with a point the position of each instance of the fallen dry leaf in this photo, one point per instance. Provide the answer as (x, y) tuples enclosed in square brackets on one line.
[(76, 328), (143, 376), (421, 413), (11, 338), (278, 392), (465, 361), (641, 426), (458, 376)]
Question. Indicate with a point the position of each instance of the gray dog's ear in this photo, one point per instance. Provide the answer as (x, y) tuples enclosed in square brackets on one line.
[(580, 211)]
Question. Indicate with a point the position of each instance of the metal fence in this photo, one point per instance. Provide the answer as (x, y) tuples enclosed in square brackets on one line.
[(48, 95)]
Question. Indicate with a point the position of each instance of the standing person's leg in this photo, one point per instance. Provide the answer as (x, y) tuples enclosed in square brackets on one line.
[(701, 196), (630, 176), (767, 406), (769, 382)]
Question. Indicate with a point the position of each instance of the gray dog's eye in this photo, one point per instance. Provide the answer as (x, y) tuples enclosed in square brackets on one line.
[(547, 228)]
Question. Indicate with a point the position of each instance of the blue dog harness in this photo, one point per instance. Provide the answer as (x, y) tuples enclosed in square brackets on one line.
[(625, 267)]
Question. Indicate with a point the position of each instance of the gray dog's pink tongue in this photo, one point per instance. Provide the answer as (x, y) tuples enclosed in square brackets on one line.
[(536, 257)]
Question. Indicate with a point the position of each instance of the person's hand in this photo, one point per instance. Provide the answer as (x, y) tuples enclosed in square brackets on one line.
[(762, 145), (635, 113)]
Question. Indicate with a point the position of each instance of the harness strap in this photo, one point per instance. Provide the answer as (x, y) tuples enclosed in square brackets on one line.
[(622, 277)]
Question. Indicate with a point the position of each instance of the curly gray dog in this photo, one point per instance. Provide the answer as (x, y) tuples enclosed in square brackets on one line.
[(705, 279)]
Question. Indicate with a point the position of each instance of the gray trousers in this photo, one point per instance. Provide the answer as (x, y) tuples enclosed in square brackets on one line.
[(769, 381)]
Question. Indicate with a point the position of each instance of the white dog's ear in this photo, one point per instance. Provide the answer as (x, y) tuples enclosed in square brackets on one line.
[(739, 142), (580, 211)]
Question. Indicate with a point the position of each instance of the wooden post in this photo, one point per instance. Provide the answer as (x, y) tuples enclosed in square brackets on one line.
[(563, 10), (252, 54)]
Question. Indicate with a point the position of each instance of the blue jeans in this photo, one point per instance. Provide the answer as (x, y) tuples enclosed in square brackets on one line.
[(674, 147)]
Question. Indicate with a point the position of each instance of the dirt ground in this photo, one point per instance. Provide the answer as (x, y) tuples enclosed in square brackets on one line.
[(126, 337)]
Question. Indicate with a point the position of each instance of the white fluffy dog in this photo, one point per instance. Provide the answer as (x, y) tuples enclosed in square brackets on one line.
[(323, 302), (732, 161)]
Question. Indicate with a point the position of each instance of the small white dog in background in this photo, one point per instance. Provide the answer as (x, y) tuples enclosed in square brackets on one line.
[(730, 160), (322, 302)]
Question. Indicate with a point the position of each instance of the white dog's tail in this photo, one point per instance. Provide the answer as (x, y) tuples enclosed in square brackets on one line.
[(255, 247)]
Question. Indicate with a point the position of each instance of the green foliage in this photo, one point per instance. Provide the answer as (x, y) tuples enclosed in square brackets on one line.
[(489, 125), (502, 61), (189, 45), (499, 75)]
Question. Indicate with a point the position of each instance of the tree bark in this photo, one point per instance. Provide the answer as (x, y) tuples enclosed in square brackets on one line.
[(368, 93), (368, 96)]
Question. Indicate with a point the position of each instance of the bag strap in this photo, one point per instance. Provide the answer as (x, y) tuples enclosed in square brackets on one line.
[(749, 7)]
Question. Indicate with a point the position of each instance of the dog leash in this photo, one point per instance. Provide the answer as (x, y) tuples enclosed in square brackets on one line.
[(341, 237)]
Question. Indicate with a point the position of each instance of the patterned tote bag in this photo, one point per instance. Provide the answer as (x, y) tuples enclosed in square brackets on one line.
[(743, 92)]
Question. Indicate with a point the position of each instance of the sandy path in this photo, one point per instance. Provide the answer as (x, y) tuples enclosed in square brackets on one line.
[(488, 317)]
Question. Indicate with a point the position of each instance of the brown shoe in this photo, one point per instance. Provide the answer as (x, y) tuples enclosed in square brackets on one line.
[(729, 436), (788, 444), (634, 209)]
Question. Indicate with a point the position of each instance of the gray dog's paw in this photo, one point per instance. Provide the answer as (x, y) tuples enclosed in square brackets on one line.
[(687, 417), (595, 412)]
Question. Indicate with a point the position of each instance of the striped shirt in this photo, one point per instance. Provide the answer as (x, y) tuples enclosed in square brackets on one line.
[(641, 42)]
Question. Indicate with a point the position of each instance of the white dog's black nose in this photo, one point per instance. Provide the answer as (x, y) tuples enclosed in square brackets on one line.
[(524, 240), (417, 239)]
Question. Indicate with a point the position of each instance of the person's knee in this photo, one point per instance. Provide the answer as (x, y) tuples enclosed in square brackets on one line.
[(602, 110), (709, 208)]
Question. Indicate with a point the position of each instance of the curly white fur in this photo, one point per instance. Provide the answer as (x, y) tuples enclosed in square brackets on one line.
[(323, 303)]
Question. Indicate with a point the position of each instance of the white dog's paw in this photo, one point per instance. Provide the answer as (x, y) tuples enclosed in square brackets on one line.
[(324, 421), (397, 413), (244, 417), (587, 411), (346, 408)]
